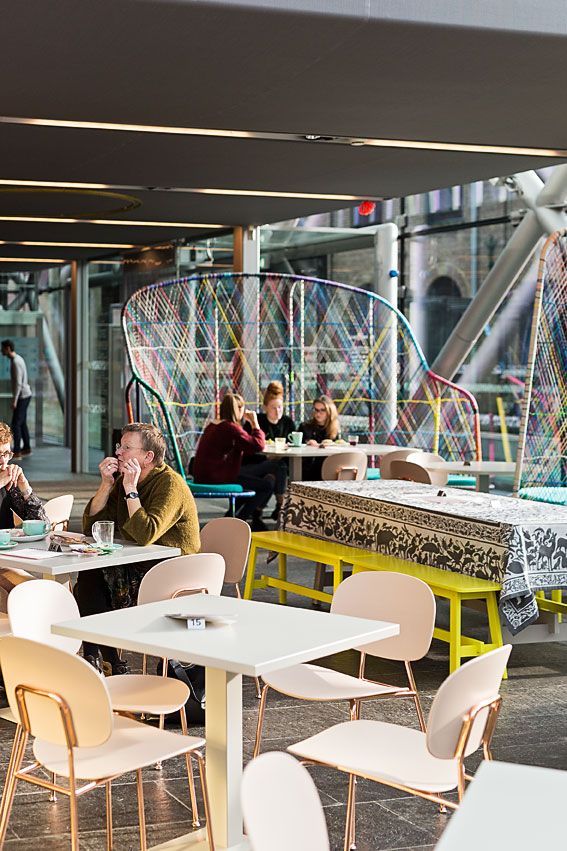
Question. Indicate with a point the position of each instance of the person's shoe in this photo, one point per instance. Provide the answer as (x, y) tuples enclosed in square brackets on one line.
[(120, 667), (275, 513), (26, 452), (258, 525), (95, 661), (17, 455)]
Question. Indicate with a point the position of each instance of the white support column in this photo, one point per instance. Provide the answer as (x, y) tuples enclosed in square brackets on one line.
[(79, 368), (386, 285), (246, 254)]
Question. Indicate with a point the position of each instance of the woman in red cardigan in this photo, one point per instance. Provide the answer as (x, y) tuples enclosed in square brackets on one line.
[(219, 457)]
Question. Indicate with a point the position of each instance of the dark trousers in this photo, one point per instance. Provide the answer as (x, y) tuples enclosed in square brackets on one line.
[(20, 426), (93, 597), (260, 478)]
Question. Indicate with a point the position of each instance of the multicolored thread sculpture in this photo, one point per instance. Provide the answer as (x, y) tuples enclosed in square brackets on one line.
[(541, 471), (191, 340)]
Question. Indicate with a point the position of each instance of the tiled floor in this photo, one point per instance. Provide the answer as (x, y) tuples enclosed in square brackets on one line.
[(531, 730)]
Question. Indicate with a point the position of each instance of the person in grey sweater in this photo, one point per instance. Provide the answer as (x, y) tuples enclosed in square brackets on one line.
[(21, 395)]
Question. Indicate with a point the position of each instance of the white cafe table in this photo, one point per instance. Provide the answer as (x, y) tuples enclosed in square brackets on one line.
[(481, 470), (296, 454), (509, 806), (263, 638), (61, 565)]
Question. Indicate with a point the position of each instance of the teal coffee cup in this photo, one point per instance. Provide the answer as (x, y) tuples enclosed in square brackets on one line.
[(33, 527), (4, 536), (295, 438)]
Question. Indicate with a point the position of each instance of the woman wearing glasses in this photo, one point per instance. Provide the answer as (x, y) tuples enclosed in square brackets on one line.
[(16, 496), (323, 425)]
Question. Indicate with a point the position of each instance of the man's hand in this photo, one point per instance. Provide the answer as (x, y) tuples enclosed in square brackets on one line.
[(14, 405), (21, 482), (312, 443), (130, 474), (108, 468), (10, 476)]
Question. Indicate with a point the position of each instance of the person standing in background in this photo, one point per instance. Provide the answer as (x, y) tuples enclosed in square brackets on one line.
[(21, 395)]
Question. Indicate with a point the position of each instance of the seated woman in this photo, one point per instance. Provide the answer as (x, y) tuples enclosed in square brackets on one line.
[(323, 425), (16, 496), (219, 454), (274, 423)]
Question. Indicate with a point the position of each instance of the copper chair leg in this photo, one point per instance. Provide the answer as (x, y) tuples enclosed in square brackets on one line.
[(16, 757), (350, 841), (194, 809), (259, 725), (258, 688), (108, 787), (206, 802), (141, 810), (74, 815)]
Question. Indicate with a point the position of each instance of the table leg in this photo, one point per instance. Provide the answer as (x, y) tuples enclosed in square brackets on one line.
[(224, 766), (282, 573), (483, 483), (295, 468), (251, 572)]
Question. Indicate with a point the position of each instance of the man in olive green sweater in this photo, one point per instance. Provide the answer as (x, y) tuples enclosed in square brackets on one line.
[(149, 504)]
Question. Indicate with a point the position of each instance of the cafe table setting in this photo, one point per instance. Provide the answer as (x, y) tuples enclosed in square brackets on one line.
[(520, 544)]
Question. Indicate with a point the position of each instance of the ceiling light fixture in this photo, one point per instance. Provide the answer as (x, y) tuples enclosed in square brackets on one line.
[(68, 244), (120, 222), (259, 193), (413, 144), (32, 260)]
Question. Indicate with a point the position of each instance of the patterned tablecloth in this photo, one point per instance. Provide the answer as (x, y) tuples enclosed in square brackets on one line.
[(521, 544)]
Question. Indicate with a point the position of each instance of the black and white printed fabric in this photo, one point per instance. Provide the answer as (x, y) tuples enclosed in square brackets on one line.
[(518, 543)]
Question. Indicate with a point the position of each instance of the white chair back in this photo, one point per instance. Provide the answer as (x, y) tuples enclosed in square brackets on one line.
[(344, 466), (393, 597), (59, 510), (412, 471), (174, 576), (230, 537), (44, 668), (476, 681), (34, 606), (275, 783)]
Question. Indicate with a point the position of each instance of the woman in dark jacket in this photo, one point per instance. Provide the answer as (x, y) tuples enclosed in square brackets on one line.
[(323, 425), (219, 454)]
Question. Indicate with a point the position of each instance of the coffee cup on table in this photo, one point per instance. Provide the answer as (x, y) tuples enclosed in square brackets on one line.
[(34, 527), (280, 444), (5, 536), (295, 438)]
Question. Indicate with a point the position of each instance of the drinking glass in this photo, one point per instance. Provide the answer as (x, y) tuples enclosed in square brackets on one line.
[(352, 439), (103, 533)]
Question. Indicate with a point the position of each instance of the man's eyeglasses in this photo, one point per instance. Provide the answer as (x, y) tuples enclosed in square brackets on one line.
[(7, 456), (118, 446)]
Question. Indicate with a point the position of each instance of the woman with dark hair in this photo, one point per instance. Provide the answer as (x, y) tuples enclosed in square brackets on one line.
[(274, 423), (323, 426), (218, 459)]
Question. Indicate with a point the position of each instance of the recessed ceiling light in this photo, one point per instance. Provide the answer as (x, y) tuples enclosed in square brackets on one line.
[(119, 222), (257, 193), (414, 144), (32, 260), (68, 244)]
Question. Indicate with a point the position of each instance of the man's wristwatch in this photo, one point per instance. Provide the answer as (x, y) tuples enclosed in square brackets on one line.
[(132, 495)]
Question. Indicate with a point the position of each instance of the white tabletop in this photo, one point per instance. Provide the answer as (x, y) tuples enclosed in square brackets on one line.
[(264, 637), (320, 451), (501, 806), (62, 564)]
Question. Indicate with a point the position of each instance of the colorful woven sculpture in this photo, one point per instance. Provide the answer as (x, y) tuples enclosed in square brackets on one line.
[(191, 340), (541, 472)]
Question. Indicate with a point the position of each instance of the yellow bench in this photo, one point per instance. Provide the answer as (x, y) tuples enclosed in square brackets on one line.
[(454, 587), (338, 556)]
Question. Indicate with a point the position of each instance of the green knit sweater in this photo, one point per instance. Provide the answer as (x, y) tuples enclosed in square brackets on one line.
[(168, 515)]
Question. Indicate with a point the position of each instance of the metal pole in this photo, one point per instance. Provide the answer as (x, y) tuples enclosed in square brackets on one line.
[(538, 221), (79, 368)]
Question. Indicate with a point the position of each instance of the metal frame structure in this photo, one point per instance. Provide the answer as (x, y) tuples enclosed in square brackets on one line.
[(190, 340)]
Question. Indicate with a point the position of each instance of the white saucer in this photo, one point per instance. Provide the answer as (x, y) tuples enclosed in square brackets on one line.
[(27, 539)]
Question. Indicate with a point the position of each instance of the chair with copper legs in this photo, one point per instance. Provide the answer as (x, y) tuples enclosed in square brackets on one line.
[(378, 596), (64, 704), (427, 764)]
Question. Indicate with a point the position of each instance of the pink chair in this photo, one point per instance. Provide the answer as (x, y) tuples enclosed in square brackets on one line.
[(230, 537), (344, 466), (381, 596), (413, 471), (427, 764)]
